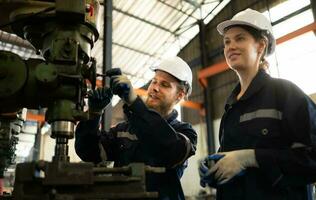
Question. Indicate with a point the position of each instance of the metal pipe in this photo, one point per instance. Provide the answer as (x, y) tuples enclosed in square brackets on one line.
[(207, 94), (107, 57), (313, 7)]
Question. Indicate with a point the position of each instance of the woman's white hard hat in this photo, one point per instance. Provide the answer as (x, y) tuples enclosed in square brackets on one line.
[(253, 19), (178, 68)]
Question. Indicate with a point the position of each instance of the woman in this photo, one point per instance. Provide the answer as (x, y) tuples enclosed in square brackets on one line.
[(268, 130)]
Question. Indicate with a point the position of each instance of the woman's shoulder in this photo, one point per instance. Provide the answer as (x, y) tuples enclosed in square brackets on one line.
[(285, 85), (286, 89)]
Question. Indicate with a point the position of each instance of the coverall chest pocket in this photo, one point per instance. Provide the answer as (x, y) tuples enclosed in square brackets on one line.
[(262, 133), (127, 150), (124, 144)]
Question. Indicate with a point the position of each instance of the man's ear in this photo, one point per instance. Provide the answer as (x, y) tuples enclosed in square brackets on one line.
[(181, 95)]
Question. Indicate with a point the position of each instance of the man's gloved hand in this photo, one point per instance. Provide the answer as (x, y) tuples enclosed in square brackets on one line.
[(233, 164), (122, 86), (98, 99)]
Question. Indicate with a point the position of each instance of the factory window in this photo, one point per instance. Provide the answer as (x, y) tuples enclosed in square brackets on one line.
[(294, 59)]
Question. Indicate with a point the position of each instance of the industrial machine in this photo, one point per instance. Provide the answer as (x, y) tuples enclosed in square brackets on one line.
[(63, 32), (10, 126)]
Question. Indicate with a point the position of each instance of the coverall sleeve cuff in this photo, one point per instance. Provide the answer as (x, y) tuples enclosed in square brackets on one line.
[(268, 165), (138, 106), (94, 122), (84, 127)]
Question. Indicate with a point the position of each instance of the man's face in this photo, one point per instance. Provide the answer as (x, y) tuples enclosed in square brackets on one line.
[(163, 93)]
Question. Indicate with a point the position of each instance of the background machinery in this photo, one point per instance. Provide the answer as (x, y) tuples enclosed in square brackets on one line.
[(63, 32)]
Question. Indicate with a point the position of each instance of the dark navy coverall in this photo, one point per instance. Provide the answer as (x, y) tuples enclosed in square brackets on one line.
[(144, 137), (276, 119)]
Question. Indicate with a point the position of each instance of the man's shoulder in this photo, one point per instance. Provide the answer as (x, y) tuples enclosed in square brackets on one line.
[(186, 129), (180, 124)]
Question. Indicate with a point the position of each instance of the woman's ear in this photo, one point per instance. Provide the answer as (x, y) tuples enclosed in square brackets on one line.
[(262, 45)]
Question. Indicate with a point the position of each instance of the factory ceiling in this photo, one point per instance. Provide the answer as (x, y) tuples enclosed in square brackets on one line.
[(143, 33)]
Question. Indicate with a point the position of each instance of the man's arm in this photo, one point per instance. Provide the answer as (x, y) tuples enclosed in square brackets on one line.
[(169, 145), (93, 145), (87, 140)]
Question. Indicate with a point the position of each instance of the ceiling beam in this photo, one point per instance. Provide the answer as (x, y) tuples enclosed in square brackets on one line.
[(133, 49), (143, 20), (209, 2), (193, 3), (177, 9)]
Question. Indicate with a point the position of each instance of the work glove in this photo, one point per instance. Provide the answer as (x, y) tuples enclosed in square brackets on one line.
[(122, 86), (232, 164), (98, 99), (207, 178)]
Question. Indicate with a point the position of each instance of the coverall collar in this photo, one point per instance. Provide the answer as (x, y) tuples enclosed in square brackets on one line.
[(256, 84), (172, 116), (140, 105)]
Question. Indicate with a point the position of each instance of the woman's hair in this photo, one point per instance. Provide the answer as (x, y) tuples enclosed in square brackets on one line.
[(258, 35)]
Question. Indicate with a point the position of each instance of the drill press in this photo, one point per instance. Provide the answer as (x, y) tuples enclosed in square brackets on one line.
[(63, 32)]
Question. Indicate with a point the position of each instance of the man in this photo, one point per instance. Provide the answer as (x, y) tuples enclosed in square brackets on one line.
[(151, 134)]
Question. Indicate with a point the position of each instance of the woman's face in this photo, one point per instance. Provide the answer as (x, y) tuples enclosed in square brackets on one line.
[(241, 50)]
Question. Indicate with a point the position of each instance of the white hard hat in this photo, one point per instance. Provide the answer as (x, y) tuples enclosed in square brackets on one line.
[(253, 19), (177, 68)]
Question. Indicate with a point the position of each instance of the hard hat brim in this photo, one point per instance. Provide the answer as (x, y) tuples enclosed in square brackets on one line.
[(223, 25)]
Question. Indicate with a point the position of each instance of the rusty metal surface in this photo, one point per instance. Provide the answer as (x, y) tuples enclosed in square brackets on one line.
[(72, 181)]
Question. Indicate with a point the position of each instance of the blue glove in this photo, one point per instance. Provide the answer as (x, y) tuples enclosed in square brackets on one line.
[(207, 178), (98, 99)]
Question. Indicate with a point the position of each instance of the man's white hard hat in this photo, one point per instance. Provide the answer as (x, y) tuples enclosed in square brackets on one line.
[(253, 19), (178, 68)]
